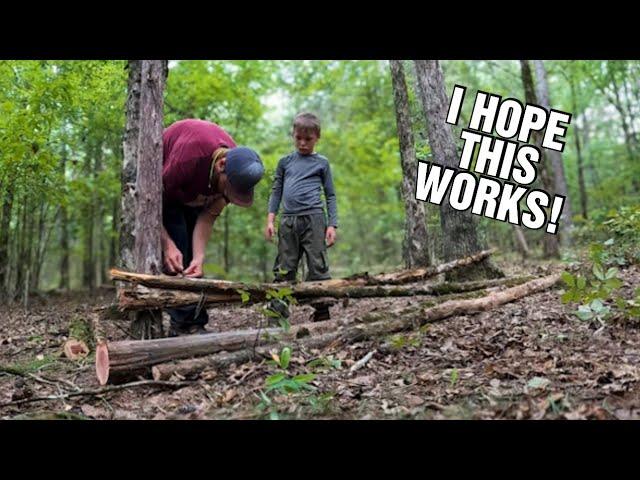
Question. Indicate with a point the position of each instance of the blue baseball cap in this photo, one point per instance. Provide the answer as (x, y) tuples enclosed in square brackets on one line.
[(244, 170)]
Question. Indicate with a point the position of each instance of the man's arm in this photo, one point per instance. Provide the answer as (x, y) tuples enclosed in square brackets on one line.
[(171, 254), (201, 234)]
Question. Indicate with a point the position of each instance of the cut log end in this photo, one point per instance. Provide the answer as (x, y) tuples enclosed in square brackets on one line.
[(102, 363)]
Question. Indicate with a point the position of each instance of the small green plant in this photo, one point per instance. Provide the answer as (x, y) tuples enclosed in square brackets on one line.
[(454, 376), (594, 311), (282, 383), (630, 309), (31, 366), (80, 329), (284, 298), (595, 286), (244, 295), (325, 363), (320, 404)]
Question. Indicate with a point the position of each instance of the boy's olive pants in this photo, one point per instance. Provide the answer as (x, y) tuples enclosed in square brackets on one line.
[(297, 235)]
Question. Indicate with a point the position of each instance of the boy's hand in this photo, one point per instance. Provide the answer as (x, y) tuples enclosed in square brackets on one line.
[(194, 270), (269, 231), (172, 258), (330, 236)]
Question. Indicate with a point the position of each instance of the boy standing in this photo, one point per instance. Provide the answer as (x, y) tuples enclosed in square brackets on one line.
[(299, 180)]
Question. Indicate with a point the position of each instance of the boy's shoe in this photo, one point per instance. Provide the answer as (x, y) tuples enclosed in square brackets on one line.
[(179, 330)]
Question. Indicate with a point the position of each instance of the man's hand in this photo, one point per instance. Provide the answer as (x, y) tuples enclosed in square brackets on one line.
[(269, 231), (330, 236), (172, 258), (194, 270)]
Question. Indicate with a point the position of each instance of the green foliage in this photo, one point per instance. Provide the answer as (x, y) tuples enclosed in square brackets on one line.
[(454, 377), (62, 123), (401, 341), (594, 291), (324, 363), (282, 383), (244, 295), (80, 329), (33, 365)]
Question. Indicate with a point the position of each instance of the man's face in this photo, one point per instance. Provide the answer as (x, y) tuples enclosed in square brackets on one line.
[(305, 141)]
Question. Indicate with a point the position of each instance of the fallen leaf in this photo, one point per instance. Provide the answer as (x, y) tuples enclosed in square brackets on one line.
[(414, 400), (538, 382), (93, 412), (228, 395)]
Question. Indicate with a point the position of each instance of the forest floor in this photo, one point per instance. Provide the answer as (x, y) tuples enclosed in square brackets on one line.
[(530, 359)]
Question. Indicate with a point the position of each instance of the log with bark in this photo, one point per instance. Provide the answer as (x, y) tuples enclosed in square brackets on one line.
[(221, 291), (368, 326), (144, 297), (128, 356)]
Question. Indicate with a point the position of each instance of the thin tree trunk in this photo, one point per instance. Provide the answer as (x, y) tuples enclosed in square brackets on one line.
[(98, 220), (113, 243), (21, 251), (88, 265), (521, 242), (415, 250), (580, 163), (560, 181), (459, 229), (551, 243), (64, 233), (7, 209)]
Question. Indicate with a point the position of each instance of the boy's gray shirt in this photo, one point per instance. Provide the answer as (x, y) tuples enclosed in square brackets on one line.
[(298, 182)]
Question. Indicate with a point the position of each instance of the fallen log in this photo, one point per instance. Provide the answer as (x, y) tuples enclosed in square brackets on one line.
[(371, 325), (145, 298), (119, 361), (226, 291)]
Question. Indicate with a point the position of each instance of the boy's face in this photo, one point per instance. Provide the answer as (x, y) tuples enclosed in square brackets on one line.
[(305, 141)]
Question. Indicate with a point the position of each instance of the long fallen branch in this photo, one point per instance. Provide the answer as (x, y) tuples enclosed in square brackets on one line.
[(371, 325), (145, 297), (100, 391), (117, 361), (221, 291)]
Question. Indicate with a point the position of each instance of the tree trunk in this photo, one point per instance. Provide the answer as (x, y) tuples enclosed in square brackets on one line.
[(459, 228), (21, 259), (7, 208), (560, 181), (88, 265), (113, 241), (64, 232), (521, 242), (415, 250), (129, 168), (580, 163), (143, 192), (551, 244)]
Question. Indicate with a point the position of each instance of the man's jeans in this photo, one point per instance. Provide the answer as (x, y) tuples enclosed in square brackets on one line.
[(179, 221)]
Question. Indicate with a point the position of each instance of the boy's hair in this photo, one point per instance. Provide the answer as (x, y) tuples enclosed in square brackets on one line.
[(307, 122)]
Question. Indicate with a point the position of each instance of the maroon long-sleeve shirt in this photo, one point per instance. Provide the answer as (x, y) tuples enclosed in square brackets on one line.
[(188, 146)]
